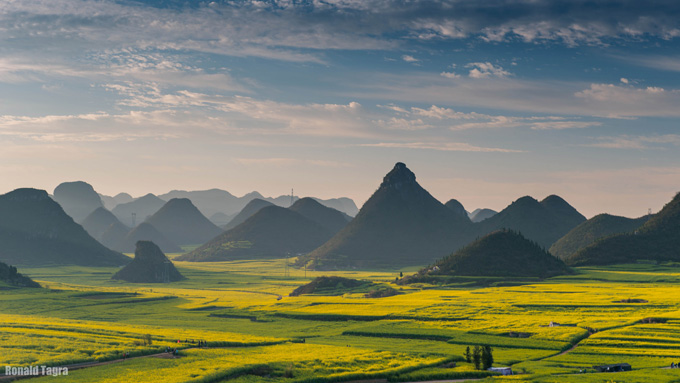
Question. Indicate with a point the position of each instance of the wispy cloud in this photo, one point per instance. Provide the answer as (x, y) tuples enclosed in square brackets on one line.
[(637, 142), (441, 146), (486, 70)]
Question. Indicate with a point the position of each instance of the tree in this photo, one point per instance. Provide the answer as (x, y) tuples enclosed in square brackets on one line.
[(487, 357), (401, 274), (468, 355), (477, 357), (146, 339)]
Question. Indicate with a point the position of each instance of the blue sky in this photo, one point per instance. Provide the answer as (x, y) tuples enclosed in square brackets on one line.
[(486, 101)]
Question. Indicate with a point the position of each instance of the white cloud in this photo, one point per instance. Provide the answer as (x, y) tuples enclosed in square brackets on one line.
[(486, 70), (449, 75), (624, 80), (409, 59)]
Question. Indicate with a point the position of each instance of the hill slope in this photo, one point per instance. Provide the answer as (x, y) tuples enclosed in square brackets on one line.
[(142, 207), (272, 232), (479, 215), (35, 230), (598, 227), (543, 222), (78, 199), (146, 232), (457, 207), (658, 239), (331, 219), (149, 266), (180, 220), (251, 208), (9, 275), (400, 225), (503, 253), (98, 222)]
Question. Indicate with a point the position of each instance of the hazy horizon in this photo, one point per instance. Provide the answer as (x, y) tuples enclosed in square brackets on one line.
[(485, 101)]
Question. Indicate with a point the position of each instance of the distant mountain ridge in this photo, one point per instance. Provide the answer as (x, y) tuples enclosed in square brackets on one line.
[(479, 215), (180, 220), (272, 232), (592, 230), (35, 230), (544, 222), (251, 208), (78, 199), (657, 239), (145, 232), (142, 208)]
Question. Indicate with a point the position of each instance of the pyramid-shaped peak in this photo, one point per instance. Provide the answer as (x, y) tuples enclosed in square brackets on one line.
[(26, 194), (149, 251), (399, 175)]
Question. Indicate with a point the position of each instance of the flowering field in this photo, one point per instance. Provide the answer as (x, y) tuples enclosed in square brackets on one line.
[(256, 332)]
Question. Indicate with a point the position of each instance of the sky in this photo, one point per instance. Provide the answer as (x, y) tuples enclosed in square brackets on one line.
[(485, 101)]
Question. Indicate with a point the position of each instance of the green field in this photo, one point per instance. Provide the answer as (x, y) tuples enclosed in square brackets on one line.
[(256, 333)]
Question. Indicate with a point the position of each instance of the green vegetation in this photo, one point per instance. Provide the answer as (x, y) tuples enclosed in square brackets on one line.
[(598, 227), (10, 276), (272, 232), (420, 334), (338, 286), (503, 253), (400, 225), (542, 222), (658, 239)]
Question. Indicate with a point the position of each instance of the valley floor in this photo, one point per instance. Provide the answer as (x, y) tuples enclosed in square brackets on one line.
[(255, 332)]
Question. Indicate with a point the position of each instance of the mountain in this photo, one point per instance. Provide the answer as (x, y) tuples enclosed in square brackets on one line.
[(78, 199), (251, 208), (180, 220), (503, 253), (142, 208), (658, 239), (98, 222), (333, 220), (400, 225), (272, 232), (149, 266), (457, 208), (209, 202), (10, 276), (479, 215), (35, 230), (220, 219), (342, 204), (114, 236), (146, 232), (543, 222), (598, 227), (111, 202)]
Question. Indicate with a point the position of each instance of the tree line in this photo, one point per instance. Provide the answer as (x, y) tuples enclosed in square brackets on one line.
[(480, 356)]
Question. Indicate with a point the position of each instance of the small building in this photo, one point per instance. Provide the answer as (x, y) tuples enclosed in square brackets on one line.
[(619, 367), (554, 324), (502, 370)]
